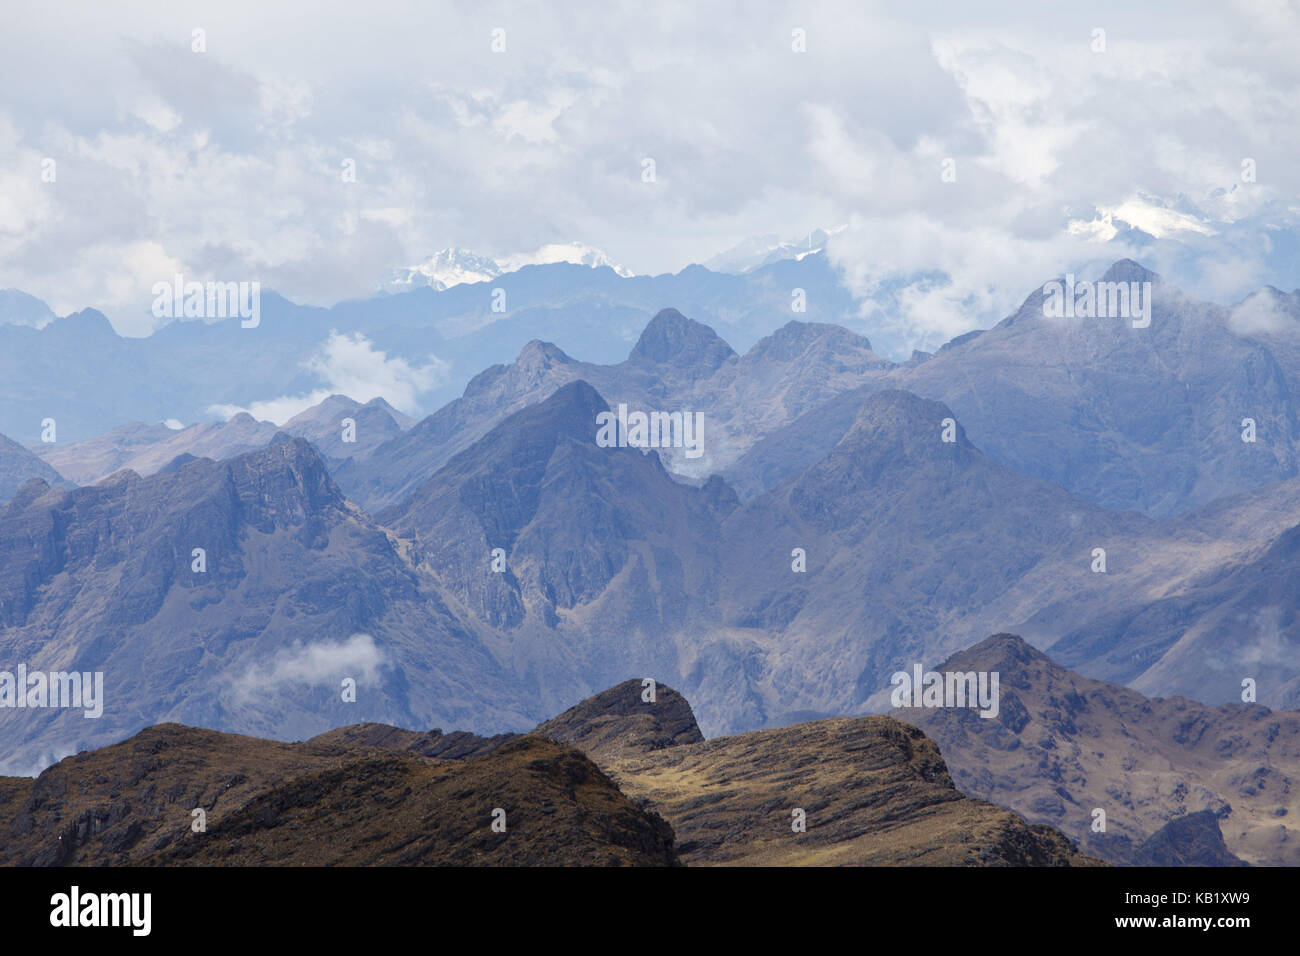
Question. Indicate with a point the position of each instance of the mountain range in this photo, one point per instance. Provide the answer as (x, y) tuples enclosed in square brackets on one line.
[(449, 267), (80, 372), (1080, 482), (146, 449)]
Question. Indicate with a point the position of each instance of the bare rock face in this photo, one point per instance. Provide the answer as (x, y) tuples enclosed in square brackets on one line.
[(599, 541), (1244, 612), (677, 363), (620, 721), (1135, 418), (914, 544), (102, 579), (147, 449), (372, 424), (671, 337), (1193, 840), (19, 466)]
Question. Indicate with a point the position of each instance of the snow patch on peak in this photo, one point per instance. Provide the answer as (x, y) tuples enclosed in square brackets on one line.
[(572, 252), (455, 266), (757, 251)]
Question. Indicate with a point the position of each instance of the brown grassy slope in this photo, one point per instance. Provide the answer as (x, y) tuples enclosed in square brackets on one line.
[(1063, 744), (456, 745), (875, 791), (314, 803), (560, 810)]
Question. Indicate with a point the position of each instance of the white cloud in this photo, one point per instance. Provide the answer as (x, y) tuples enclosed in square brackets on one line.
[(1156, 220), (275, 410), (985, 274), (226, 165), (324, 662), (1262, 313), (351, 365)]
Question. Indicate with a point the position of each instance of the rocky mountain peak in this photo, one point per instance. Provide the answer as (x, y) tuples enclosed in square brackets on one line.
[(795, 338), (1126, 270), (894, 420), (620, 721), (1008, 652), (674, 339)]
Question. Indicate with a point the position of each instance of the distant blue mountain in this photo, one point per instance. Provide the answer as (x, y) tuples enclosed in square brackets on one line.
[(19, 308), (78, 371)]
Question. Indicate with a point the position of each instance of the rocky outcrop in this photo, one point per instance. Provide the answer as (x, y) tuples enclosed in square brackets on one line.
[(621, 721)]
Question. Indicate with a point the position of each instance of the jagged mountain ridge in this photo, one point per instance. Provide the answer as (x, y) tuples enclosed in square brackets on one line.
[(147, 449), (299, 590), (911, 547), (677, 364), (18, 466), (873, 791), (593, 542), (611, 563), (79, 371)]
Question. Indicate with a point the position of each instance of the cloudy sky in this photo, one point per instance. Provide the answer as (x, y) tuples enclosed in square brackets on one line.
[(227, 164)]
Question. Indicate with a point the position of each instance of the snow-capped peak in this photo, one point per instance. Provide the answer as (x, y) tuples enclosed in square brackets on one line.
[(444, 269), (455, 266), (762, 250), (572, 252)]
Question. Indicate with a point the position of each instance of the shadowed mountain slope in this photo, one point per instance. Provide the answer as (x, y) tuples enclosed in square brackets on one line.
[(620, 721), (19, 466), (676, 365), (913, 546), (294, 591), (1142, 418), (602, 558)]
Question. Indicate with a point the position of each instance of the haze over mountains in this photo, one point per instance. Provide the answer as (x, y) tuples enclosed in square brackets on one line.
[(17, 465), (1147, 419), (848, 516), (78, 371), (676, 364), (146, 449), (1144, 418)]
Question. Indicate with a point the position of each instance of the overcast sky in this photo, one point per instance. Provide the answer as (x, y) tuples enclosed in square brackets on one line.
[(226, 164)]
